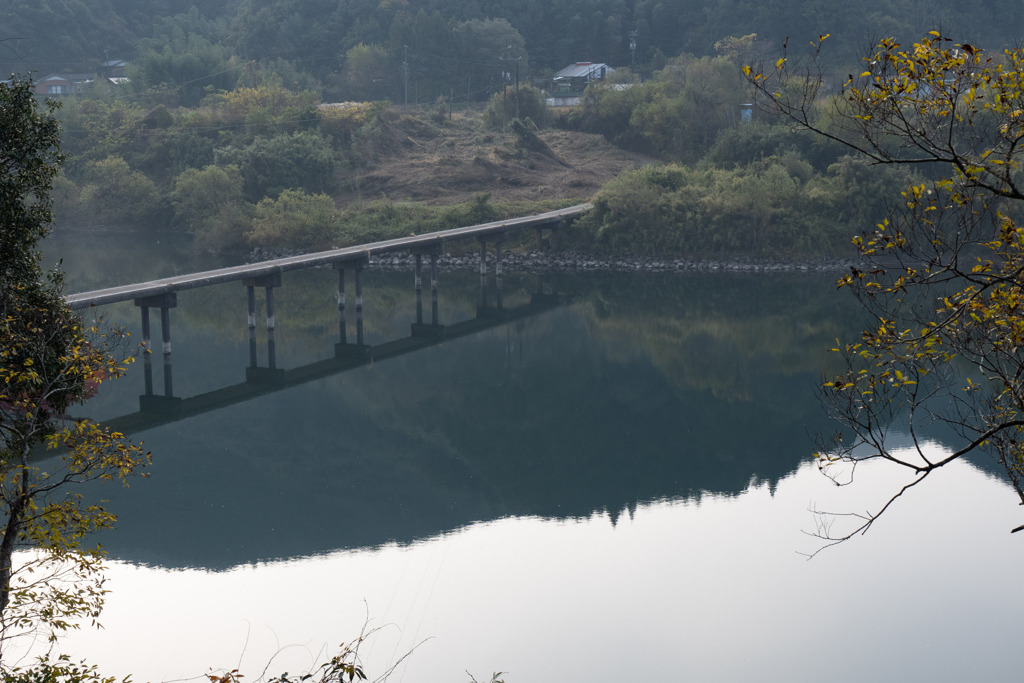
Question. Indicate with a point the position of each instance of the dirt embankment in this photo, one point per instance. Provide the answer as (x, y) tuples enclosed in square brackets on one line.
[(448, 162)]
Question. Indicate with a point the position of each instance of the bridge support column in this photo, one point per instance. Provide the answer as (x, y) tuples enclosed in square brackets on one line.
[(359, 305), (342, 325), (563, 223), (271, 350), (343, 346), (252, 347), (418, 284), (165, 302), (433, 289), (419, 329), (483, 256), (147, 371), (251, 298), (269, 283)]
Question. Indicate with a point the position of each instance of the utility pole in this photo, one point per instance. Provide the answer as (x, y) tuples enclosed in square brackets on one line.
[(405, 70), (518, 57), (632, 47), (517, 83)]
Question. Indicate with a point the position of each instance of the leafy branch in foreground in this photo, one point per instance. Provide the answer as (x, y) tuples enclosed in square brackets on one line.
[(48, 362), (346, 666), (944, 280)]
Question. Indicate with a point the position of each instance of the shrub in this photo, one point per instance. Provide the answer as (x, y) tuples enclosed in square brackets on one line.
[(117, 194)]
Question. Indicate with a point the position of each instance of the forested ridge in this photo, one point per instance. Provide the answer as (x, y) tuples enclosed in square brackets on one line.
[(449, 46), (308, 124)]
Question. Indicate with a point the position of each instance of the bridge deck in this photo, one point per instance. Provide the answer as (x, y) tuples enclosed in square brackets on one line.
[(356, 253)]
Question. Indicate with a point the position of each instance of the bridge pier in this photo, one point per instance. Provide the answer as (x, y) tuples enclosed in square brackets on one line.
[(433, 289), (552, 234), (499, 240), (419, 329), (359, 305), (343, 345), (165, 302), (269, 283), (418, 286)]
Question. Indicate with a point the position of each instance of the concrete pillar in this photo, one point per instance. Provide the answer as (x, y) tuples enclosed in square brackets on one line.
[(165, 328), (433, 289), (252, 347), (250, 292), (418, 284), (270, 307), (147, 371), (168, 384), (145, 331), (359, 305), (342, 325), (483, 256), (165, 302)]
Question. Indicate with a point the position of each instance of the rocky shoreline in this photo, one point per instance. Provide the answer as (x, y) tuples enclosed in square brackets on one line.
[(537, 262)]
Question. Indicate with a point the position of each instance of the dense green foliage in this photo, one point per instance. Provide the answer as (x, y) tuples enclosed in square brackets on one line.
[(297, 220), (235, 91), (48, 362), (258, 165), (441, 46), (776, 207)]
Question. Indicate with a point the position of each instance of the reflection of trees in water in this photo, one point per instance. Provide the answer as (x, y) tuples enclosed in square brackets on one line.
[(721, 333), (530, 418)]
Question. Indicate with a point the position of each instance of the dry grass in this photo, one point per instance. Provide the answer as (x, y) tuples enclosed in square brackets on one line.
[(452, 162)]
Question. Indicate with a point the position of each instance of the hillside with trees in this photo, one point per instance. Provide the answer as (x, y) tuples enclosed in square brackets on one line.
[(442, 48), (281, 123)]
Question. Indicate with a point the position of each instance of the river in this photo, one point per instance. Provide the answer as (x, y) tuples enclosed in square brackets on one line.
[(615, 486)]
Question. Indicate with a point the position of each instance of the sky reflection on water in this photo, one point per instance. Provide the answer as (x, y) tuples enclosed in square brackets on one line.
[(710, 590)]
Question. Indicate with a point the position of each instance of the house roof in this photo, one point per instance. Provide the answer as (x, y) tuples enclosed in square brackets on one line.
[(582, 70), (71, 78)]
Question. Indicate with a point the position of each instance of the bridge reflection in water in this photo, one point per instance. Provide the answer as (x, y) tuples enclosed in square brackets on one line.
[(163, 294), (156, 409)]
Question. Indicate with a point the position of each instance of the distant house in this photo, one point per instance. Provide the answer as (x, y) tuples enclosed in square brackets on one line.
[(567, 85), (113, 68), (62, 84)]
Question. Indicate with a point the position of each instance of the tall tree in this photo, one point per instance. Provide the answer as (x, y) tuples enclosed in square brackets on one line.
[(944, 280), (48, 362)]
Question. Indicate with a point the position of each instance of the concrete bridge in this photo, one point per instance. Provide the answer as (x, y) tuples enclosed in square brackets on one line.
[(162, 293), (157, 409)]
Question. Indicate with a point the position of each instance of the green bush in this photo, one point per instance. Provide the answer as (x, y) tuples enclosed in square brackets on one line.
[(295, 220), (209, 203), (269, 165), (117, 194), (777, 207), (501, 109)]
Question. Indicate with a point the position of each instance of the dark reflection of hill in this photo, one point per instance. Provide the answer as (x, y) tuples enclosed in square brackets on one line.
[(642, 389)]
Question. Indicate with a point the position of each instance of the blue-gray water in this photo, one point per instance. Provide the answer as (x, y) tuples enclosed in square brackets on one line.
[(615, 481)]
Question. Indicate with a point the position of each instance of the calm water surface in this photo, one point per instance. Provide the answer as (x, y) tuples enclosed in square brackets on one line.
[(611, 486)]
